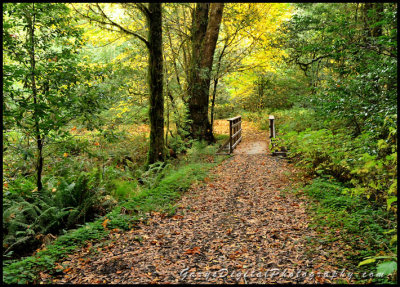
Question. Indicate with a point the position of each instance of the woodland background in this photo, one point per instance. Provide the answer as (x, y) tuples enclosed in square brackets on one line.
[(118, 106)]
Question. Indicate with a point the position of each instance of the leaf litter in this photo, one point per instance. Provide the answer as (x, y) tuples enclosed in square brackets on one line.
[(236, 221)]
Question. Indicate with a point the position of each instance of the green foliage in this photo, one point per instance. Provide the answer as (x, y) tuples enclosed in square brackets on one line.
[(28, 219), (354, 221), (348, 55), (46, 82), (368, 166), (21, 186), (165, 183), (281, 89), (348, 52), (339, 81), (56, 72), (387, 268), (224, 106), (85, 176), (124, 189), (26, 270), (296, 119)]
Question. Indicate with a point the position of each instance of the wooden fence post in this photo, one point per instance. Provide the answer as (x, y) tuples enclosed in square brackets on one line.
[(271, 126), (272, 134)]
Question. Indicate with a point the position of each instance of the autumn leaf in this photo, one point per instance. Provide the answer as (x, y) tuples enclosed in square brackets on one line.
[(195, 250), (105, 223)]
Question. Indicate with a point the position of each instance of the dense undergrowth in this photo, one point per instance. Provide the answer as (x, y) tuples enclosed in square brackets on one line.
[(81, 175), (366, 229), (355, 185)]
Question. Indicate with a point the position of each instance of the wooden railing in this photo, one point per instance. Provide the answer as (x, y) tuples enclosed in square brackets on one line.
[(235, 132), (235, 135)]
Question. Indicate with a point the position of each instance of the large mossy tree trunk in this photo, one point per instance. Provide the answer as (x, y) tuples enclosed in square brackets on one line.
[(205, 32), (156, 151)]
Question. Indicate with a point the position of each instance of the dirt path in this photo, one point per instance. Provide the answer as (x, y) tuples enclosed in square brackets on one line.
[(254, 141), (241, 221)]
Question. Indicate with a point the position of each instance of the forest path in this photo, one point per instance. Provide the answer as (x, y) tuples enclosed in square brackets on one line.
[(244, 219)]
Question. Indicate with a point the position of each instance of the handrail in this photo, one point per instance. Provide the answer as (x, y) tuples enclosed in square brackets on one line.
[(235, 118), (235, 134)]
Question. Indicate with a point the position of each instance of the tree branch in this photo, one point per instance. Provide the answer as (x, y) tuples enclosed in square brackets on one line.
[(110, 22), (143, 9), (122, 28)]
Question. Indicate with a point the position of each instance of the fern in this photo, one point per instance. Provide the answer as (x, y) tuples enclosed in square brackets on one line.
[(46, 212)]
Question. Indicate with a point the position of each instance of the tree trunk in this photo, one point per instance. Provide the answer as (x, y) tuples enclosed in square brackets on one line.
[(39, 141), (197, 104), (213, 102), (156, 151), (216, 79), (166, 133), (373, 13), (377, 30), (204, 39)]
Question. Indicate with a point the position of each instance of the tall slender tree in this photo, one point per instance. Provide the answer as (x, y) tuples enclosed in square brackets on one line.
[(153, 15), (40, 56)]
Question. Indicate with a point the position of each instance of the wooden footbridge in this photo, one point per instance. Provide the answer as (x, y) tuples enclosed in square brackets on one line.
[(235, 136)]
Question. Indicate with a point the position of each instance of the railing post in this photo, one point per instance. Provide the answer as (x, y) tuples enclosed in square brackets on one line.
[(271, 126), (240, 128), (230, 137)]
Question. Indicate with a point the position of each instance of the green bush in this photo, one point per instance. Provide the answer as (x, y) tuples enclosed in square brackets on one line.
[(367, 164)]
